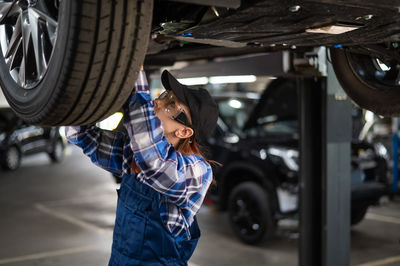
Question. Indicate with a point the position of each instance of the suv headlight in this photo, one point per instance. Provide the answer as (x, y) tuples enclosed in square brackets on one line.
[(289, 157)]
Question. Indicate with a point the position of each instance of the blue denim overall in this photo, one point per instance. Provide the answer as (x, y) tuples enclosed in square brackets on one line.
[(140, 236)]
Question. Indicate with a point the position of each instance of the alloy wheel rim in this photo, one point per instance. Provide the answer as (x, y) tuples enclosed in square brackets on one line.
[(28, 33), (245, 216)]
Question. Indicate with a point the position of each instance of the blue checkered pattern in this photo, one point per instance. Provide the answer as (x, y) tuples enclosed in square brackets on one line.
[(182, 180)]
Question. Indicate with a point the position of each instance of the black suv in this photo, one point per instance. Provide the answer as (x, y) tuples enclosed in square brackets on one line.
[(18, 139), (257, 140)]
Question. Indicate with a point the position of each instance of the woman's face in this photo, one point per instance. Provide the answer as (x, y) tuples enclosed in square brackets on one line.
[(168, 109)]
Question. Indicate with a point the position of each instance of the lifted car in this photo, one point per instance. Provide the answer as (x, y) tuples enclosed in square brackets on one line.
[(76, 62)]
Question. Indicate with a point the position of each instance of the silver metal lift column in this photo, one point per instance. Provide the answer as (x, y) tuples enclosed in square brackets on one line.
[(325, 186)]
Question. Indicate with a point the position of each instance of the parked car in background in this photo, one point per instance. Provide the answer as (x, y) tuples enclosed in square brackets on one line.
[(257, 140), (76, 61), (377, 130), (18, 139)]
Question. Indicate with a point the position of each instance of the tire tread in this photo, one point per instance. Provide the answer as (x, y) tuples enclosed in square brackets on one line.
[(109, 38)]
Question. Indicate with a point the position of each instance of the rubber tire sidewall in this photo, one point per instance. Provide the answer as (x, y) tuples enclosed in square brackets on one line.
[(30, 103), (380, 101), (261, 196)]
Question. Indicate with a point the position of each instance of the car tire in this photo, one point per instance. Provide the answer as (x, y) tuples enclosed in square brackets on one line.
[(358, 74), (250, 213), (12, 159), (57, 152), (358, 214), (92, 67)]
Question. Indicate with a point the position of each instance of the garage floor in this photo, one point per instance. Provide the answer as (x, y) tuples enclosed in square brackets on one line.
[(63, 214)]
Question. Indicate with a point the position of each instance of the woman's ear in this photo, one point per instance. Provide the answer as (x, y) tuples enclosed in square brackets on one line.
[(184, 132)]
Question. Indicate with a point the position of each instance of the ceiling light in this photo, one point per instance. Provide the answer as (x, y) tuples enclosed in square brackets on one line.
[(194, 81), (232, 79), (235, 104)]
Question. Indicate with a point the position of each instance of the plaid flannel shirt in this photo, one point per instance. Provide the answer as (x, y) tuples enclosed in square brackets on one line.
[(183, 180)]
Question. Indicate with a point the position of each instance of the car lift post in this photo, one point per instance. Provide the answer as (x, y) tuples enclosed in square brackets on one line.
[(325, 137)]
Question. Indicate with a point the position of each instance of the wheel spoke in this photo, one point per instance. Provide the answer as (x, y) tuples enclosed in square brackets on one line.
[(14, 62), (15, 10), (37, 40), (15, 39), (5, 8), (21, 74), (27, 37), (52, 31), (51, 24)]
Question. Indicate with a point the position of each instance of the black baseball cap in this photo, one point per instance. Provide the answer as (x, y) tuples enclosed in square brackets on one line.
[(203, 109)]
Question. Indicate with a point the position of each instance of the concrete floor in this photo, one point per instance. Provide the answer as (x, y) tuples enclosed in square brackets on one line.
[(63, 214)]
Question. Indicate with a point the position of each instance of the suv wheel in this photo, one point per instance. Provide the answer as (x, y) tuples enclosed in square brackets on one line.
[(71, 62), (250, 213), (12, 158), (372, 83)]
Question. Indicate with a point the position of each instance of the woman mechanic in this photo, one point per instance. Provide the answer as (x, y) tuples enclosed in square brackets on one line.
[(164, 176)]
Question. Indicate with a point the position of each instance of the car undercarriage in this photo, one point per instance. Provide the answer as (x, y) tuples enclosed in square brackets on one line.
[(362, 37), (75, 62), (267, 26)]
